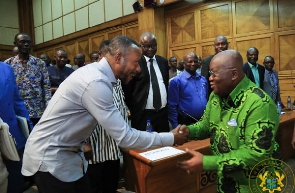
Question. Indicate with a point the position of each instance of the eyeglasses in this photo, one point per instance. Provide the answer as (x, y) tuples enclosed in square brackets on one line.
[(146, 47), (217, 72)]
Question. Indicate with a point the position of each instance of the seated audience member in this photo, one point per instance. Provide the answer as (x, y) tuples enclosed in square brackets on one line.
[(59, 72), (79, 61), (271, 80), (53, 153), (241, 121), (253, 70), (11, 104), (93, 56), (187, 93), (104, 167), (46, 59)]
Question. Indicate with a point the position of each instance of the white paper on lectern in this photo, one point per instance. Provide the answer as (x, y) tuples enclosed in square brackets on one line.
[(161, 153)]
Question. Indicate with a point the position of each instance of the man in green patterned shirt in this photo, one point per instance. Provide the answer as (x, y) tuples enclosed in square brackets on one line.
[(241, 121)]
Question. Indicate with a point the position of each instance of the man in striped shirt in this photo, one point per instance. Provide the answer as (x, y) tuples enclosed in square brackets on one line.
[(104, 164)]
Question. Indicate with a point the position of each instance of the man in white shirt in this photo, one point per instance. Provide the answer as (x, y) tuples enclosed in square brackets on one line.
[(53, 153)]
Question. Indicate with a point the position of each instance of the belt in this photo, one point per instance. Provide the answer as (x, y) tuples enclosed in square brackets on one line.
[(154, 110)]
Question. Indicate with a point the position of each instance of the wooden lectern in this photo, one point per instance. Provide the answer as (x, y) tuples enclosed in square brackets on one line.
[(145, 176)]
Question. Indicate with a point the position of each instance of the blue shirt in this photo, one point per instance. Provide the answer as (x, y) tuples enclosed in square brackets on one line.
[(187, 93), (254, 69), (11, 104)]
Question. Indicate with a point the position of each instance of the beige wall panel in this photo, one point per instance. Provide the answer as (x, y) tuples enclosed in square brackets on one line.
[(46, 11), (47, 31), (9, 14), (115, 11), (182, 29), (57, 28), (71, 51), (96, 13), (38, 54), (5, 55), (207, 50), (215, 20), (37, 11), (39, 35), (56, 9), (251, 16), (132, 32), (96, 41), (50, 53), (181, 51), (81, 17), (67, 6), (114, 33), (263, 44), (83, 48), (286, 14), (69, 23), (287, 54)]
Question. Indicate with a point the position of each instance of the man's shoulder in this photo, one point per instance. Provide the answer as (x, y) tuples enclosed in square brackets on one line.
[(208, 58), (158, 57), (9, 60)]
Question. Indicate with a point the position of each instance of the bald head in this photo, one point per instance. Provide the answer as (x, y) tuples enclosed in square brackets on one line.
[(220, 44), (148, 44), (61, 58), (226, 71)]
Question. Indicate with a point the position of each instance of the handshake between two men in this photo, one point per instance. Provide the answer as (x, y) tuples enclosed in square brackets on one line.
[(195, 163), (181, 134)]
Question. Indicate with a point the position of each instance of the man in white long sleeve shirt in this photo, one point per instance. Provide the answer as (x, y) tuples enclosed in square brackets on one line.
[(53, 154)]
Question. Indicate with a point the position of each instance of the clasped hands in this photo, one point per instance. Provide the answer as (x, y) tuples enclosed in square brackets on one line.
[(195, 164), (181, 134)]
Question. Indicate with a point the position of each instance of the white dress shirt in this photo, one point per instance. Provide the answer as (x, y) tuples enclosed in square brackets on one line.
[(163, 91), (81, 101)]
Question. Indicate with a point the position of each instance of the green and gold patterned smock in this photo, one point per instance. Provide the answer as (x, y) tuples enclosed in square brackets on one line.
[(242, 130)]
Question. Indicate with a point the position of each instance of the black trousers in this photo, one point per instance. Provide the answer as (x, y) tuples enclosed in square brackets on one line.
[(159, 120), (47, 183), (104, 177)]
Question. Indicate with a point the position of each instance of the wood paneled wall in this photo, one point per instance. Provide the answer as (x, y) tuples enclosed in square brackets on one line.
[(89, 42), (268, 25)]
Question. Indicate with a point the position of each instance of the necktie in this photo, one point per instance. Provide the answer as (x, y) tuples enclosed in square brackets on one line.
[(155, 85), (273, 87)]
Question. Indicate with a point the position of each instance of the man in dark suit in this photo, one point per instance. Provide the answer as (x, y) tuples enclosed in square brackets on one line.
[(271, 80), (220, 44), (142, 93), (253, 70)]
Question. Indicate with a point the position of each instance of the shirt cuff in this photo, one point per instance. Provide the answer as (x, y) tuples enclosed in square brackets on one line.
[(191, 132), (210, 163), (167, 138)]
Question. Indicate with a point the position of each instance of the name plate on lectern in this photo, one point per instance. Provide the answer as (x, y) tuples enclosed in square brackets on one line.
[(161, 153)]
